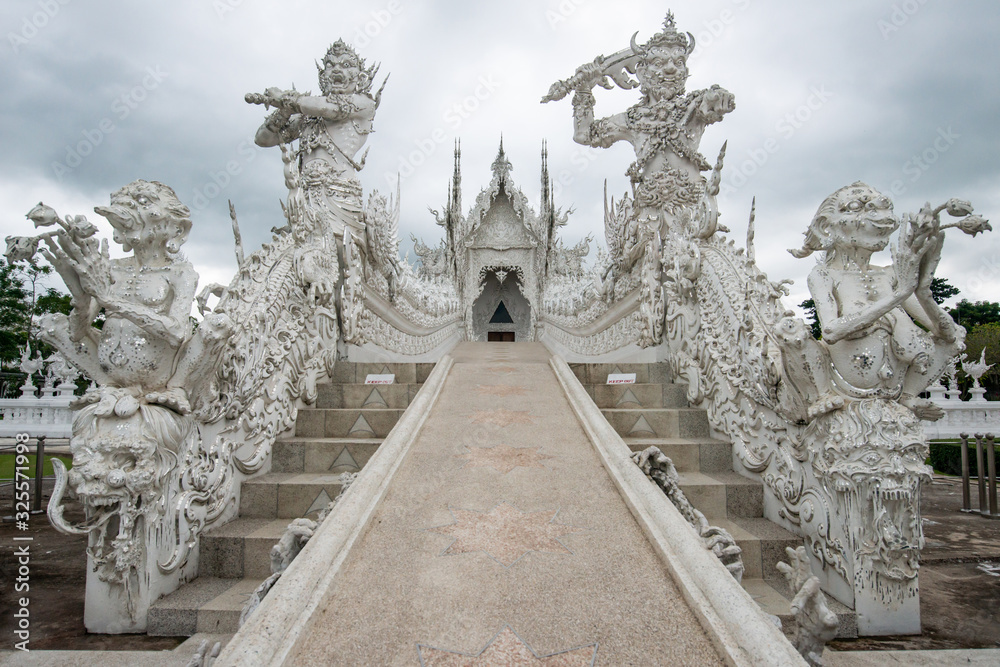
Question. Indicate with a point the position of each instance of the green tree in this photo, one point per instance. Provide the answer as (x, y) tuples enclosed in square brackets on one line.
[(971, 315), (15, 313), (31, 274), (985, 336), (942, 290), (53, 301), (22, 300), (810, 307)]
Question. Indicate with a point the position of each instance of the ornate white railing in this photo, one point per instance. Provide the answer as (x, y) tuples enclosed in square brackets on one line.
[(50, 416), (963, 417)]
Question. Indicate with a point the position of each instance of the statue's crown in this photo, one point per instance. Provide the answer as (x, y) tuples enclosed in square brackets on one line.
[(339, 48), (668, 39)]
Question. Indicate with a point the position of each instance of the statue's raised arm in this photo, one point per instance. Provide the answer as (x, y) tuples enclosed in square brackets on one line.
[(331, 129), (332, 126), (666, 125)]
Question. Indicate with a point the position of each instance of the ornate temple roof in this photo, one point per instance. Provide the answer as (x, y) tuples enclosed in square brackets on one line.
[(503, 202)]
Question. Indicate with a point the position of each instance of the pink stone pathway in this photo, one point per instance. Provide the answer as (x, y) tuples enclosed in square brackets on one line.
[(502, 541), (507, 649), (504, 458), (505, 533)]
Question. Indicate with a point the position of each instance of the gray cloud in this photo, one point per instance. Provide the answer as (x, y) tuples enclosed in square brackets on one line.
[(891, 92)]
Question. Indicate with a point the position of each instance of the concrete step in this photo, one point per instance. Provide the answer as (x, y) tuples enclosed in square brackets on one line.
[(322, 455), (774, 597), (723, 495), (346, 423), (631, 396), (191, 645), (288, 495), (241, 548), (207, 604), (365, 395), (659, 423), (644, 373), (406, 373), (690, 454), (763, 544), (727, 499)]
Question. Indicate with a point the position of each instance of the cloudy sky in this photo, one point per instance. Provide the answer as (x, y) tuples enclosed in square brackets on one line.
[(902, 94)]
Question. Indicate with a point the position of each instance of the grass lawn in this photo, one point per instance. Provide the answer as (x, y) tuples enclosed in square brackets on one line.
[(7, 465)]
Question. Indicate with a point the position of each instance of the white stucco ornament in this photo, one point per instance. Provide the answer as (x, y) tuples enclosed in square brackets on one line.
[(869, 314), (666, 125), (660, 469), (976, 371), (832, 426), (815, 623), (133, 432), (665, 128), (331, 128)]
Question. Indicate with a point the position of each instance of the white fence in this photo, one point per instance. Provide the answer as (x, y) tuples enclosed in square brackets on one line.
[(48, 415), (974, 416)]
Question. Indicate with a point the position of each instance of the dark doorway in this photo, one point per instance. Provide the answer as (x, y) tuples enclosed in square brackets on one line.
[(500, 336), (501, 306), (501, 316)]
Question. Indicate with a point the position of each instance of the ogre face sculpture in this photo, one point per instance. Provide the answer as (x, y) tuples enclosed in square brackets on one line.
[(874, 452), (341, 70), (123, 449), (147, 213), (864, 217), (120, 466), (663, 72), (856, 216)]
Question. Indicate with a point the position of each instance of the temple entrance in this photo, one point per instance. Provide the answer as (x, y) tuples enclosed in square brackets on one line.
[(501, 316), (501, 313)]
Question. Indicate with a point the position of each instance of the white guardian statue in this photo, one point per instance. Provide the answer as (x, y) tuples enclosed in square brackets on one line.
[(132, 434)]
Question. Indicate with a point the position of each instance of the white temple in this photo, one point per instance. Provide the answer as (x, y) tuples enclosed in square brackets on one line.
[(503, 256), (779, 440)]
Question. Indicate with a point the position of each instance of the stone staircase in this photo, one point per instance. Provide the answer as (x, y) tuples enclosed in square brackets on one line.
[(654, 411), (337, 435)]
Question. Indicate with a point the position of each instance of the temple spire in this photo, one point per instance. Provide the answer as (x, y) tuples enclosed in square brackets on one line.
[(453, 215), (501, 165), (545, 203), (455, 203), (547, 213)]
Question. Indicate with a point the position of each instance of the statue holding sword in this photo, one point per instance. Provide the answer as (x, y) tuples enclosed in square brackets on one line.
[(666, 125)]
